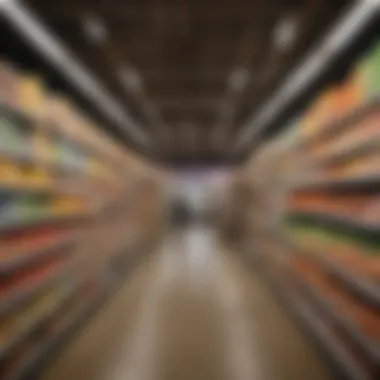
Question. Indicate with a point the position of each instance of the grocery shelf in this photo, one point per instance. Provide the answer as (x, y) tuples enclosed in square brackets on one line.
[(28, 158), (366, 183), (16, 113), (348, 30), (350, 367), (15, 225), (49, 345), (19, 187), (62, 179), (40, 39), (369, 347), (108, 286), (55, 187), (334, 220), (28, 329), (364, 288), (33, 255), (345, 122), (350, 152), (19, 297), (316, 327), (73, 323)]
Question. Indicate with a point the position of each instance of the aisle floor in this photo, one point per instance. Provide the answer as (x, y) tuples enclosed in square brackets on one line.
[(190, 312)]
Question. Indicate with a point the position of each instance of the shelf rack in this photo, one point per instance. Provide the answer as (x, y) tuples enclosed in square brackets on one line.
[(306, 314), (69, 256), (345, 123), (364, 288), (329, 219), (29, 256), (125, 260), (367, 345), (308, 170), (27, 24), (305, 75)]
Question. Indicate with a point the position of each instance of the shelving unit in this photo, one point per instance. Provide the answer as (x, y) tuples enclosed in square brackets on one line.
[(314, 217), (307, 312), (69, 229), (333, 220)]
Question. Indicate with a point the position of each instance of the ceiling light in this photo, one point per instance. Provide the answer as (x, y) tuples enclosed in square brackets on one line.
[(285, 33), (130, 78), (94, 29), (239, 78)]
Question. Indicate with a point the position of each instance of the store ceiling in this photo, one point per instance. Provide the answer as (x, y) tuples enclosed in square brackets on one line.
[(190, 71)]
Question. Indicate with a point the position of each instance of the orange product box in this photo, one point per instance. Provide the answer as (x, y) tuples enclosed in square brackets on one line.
[(318, 115)]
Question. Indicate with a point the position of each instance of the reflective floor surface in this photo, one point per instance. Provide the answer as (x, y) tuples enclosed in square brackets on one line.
[(191, 312)]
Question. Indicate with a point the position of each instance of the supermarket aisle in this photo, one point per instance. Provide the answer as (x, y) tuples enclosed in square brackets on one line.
[(191, 312)]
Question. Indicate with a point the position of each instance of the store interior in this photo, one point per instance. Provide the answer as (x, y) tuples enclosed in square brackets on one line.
[(189, 190)]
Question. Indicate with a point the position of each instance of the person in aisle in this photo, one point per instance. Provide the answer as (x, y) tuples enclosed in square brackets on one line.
[(179, 211)]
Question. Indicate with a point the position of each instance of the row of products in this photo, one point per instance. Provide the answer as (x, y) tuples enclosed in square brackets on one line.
[(45, 147), (346, 149), (41, 323), (19, 249), (361, 87), (323, 267), (353, 134), (323, 237), (42, 292), (27, 94), (348, 308), (18, 208), (361, 209), (333, 230), (37, 281), (355, 252), (43, 136), (56, 168), (28, 142)]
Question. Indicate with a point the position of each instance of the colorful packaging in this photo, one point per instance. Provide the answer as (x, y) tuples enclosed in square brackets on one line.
[(31, 95)]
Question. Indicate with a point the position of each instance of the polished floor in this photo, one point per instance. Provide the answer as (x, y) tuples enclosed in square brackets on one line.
[(190, 312)]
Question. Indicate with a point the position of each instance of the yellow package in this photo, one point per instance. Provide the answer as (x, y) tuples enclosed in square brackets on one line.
[(37, 176), (9, 171), (30, 95)]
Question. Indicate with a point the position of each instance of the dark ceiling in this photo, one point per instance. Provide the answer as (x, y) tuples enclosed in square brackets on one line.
[(189, 71)]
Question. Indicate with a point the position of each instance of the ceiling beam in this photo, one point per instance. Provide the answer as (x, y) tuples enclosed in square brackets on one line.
[(189, 102), (188, 88), (205, 11), (202, 116)]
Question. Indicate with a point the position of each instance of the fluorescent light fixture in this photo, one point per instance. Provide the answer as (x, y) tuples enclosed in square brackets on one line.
[(130, 79), (284, 33), (132, 82), (95, 29), (238, 79), (306, 73), (41, 38)]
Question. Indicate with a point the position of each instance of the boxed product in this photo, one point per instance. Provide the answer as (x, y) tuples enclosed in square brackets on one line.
[(30, 95)]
